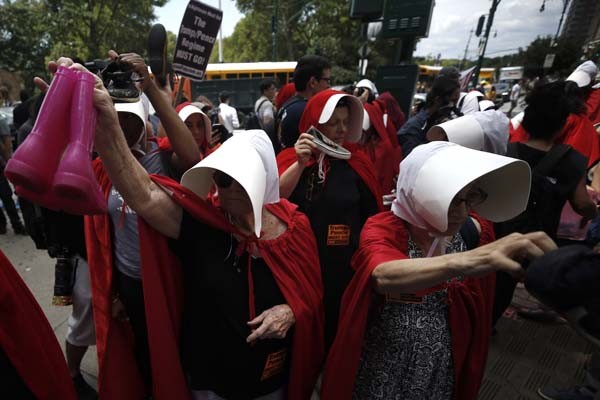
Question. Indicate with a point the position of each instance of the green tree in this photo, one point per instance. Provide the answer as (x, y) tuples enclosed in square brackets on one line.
[(24, 39), (35, 31), (89, 29)]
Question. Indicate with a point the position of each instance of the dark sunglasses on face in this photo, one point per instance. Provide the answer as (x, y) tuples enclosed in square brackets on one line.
[(473, 198), (222, 180), (325, 79)]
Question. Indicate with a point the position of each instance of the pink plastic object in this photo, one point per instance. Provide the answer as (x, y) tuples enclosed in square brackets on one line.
[(34, 163), (75, 179)]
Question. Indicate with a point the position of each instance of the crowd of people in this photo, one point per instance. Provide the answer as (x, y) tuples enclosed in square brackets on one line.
[(338, 250)]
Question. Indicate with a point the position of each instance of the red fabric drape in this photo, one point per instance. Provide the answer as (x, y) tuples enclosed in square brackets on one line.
[(383, 153), (359, 163), (28, 340), (385, 238), (292, 258)]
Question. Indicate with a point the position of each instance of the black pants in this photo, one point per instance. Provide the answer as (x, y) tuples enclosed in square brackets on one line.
[(131, 294), (9, 205)]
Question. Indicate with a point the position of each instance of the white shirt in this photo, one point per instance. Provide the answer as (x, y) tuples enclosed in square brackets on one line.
[(229, 115), (265, 112), (514, 92)]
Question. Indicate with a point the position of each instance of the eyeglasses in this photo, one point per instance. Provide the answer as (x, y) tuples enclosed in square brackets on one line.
[(474, 197), (325, 79), (222, 180)]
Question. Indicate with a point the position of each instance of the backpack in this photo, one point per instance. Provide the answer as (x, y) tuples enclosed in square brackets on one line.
[(251, 120), (545, 197)]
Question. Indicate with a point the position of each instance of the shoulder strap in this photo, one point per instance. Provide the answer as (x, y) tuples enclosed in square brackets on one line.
[(470, 234), (551, 159), (257, 109)]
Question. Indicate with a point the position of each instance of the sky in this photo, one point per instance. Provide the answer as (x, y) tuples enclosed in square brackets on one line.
[(517, 23), (171, 14)]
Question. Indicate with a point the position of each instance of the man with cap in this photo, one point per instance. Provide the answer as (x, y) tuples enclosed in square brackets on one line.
[(416, 316), (248, 273), (228, 113)]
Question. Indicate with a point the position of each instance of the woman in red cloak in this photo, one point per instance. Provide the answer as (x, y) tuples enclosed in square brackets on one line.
[(415, 320), (337, 195), (249, 272)]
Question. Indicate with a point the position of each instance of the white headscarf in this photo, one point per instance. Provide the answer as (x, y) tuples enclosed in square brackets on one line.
[(248, 158), (434, 173)]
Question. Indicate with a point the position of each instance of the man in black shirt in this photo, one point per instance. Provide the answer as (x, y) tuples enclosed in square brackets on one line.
[(312, 75)]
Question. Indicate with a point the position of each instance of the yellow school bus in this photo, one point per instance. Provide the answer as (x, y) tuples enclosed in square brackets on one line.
[(428, 73), (242, 80)]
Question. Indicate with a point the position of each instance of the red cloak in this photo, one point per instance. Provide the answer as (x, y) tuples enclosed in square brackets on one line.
[(578, 132), (383, 153), (29, 341), (385, 238), (593, 106), (292, 258), (359, 163)]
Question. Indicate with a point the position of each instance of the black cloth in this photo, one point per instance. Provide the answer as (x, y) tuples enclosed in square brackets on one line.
[(343, 200), (215, 353), (131, 294), (12, 385), (64, 231), (412, 133), (288, 118), (565, 278), (565, 175), (21, 113)]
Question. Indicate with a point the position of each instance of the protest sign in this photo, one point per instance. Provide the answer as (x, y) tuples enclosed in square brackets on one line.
[(196, 38)]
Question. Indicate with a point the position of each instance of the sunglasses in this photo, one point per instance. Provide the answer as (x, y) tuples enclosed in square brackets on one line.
[(325, 79), (473, 198), (222, 180)]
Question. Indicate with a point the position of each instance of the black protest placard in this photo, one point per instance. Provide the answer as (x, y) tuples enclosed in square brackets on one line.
[(197, 36)]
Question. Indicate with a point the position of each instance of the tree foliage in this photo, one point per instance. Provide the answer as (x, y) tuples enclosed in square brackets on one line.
[(34, 31)]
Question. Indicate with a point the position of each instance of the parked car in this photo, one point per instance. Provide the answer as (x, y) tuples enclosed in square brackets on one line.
[(502, 91)]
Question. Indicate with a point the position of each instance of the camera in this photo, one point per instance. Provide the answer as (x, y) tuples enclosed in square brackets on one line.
[(96, 66)]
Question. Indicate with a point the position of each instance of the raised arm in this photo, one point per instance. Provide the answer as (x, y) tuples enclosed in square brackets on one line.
[(184, 145), (131, 180), (411, 275), (305, 148)]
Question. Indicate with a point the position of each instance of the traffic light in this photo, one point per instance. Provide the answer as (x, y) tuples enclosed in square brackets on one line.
[(367, 10), (480, 26)]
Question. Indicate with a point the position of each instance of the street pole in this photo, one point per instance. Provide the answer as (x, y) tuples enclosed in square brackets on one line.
[(488, 28), (220, 38), (462, 63), (565, 5)]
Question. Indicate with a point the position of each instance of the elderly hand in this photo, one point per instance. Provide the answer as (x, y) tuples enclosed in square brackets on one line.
[(305, 149), (137, 65), (507, 254), (272, 323)]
